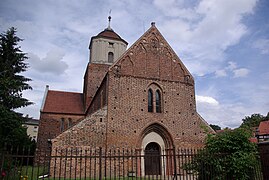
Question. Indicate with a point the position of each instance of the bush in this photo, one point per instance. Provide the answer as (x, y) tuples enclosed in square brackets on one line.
[(227, 155)]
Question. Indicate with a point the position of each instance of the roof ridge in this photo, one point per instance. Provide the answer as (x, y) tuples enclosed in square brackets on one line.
[(66, 91)]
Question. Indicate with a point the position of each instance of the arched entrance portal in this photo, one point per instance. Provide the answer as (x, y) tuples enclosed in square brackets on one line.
[(155, 142), (153, 159)]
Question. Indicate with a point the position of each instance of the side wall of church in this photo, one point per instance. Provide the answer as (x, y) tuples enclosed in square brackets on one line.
[(90, 132), (128, 112), (50, 127)]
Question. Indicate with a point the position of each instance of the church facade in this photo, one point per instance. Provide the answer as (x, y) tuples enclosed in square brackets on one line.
[(141, 98)]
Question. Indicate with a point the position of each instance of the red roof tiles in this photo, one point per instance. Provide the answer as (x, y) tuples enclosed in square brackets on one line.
[(264, 127), (64, 102), (110, 34)]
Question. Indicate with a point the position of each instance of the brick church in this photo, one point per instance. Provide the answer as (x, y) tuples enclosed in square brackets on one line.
[(142, 97)]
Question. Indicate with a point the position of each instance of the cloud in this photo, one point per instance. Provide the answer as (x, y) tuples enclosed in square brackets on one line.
[(215, 26), (208, 100), (52, 63), (231, 66), (224, 115), (242, 72), (232, 69), (221, 73), (262, 45)]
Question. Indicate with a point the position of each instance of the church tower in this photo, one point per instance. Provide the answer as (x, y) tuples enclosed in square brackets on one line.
[(105, 49)]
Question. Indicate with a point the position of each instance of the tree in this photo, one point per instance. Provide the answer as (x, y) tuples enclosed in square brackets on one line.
[(252, 121), (227, 155), (12, 83), (215, 127)]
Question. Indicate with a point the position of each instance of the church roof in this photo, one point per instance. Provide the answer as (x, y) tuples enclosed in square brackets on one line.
[(64, 102), (108, 33)]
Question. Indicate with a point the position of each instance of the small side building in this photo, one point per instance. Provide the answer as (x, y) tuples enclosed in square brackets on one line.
[(263, 131), (32, 128)]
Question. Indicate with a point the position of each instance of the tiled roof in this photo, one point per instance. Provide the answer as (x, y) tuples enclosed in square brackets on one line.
[(264, 127), (107, 33), (64, 102)]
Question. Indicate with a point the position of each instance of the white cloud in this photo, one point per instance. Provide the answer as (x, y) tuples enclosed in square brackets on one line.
[(232, 69), (262, 45), (52, 63), (217, 26), (242, 72), (224, 115), (208, 100), (231, 66), (221, 73)]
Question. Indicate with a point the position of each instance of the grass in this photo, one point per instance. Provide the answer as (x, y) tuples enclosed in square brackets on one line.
[(33, 173), (26, 173)]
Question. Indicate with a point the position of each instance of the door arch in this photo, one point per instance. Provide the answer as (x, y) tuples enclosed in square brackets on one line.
[(153, 159)]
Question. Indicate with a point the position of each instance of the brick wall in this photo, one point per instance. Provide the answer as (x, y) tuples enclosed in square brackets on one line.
[(91, 131), (50, 127), (128, 112), (92, 80), (100, 98)]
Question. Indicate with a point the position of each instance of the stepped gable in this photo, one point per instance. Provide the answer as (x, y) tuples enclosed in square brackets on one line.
[(161, 61), (64, 102)]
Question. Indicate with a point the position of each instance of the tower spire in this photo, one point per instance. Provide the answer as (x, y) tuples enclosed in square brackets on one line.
[(109, 21)]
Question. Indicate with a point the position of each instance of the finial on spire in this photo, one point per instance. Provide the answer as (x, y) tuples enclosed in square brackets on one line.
[(109, 20)]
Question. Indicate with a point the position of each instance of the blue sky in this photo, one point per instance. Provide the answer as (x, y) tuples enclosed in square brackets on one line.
[(223, 43)]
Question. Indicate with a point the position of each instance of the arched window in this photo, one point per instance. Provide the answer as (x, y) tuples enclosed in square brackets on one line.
[(150, 101), (158, 101), (69, 122), (62, 125), (110, 57)]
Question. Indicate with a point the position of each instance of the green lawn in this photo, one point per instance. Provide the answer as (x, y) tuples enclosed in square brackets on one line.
[(32, 173)]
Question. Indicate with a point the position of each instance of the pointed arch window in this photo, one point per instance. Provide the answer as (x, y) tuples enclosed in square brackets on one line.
[(62, 125), (158, 101), (110, 57), (150, 101), (69, 122)]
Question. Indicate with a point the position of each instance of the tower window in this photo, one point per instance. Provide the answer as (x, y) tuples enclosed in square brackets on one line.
[(110, 57), (158, 101), (150, 101), (110, 44)]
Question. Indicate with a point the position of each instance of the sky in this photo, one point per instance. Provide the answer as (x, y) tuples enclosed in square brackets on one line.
[(223, 43)]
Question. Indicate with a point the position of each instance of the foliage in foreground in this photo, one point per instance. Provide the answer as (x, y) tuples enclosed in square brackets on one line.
[(227, 155)]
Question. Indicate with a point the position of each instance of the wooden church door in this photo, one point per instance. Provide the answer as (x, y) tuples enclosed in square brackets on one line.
[(153, 159)]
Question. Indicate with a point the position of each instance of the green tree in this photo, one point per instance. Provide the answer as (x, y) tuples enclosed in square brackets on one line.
[(12, 83), (252, 121), (215, 127), (227, 155)]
